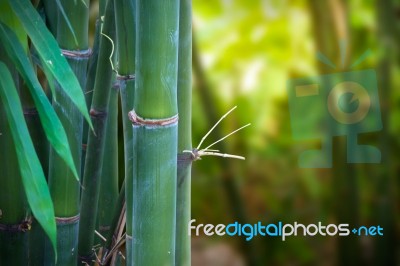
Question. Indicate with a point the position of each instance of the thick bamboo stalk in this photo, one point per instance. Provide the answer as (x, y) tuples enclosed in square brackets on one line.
[(155, 133), (13, 205), (95, 148), (65, 190), (183, 204), (125, 19)]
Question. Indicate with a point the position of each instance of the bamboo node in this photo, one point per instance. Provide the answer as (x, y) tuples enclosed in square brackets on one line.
[(67, 220), (24, 226), (77, 54), (99, 114), (126, 77), (137, 120)]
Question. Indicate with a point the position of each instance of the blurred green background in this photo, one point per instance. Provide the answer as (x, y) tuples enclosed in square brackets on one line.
[(245, 52)]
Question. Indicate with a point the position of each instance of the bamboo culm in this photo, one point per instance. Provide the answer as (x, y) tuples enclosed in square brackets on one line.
[(65, 190), (155, 133), (95, 147), (183, 204), (125, 18)]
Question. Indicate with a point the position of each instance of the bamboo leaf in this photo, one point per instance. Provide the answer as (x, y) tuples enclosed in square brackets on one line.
[(51, 124), (50, 54), (33, 178)]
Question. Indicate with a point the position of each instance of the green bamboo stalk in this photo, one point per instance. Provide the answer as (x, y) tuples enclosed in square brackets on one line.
[(95, 148), (109, 173), (13, 205), (65, 190), (125, 19), (51, 12), (36, 235), (155, 133), (91, 75), (183, 204)]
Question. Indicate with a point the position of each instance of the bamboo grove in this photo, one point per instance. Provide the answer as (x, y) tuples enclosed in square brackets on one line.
[(63, 197)]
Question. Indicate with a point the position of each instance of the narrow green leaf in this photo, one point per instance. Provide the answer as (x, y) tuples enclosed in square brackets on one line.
[(33, 178), (50, 53), (51, 124)]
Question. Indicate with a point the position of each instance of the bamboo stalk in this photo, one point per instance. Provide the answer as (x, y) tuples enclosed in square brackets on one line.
[(109, 173), (65, 190), (155, 133), (125, 19), (51, 12), (183, 204), (37, 236), (95, 148), (91, 75), (13, 205)]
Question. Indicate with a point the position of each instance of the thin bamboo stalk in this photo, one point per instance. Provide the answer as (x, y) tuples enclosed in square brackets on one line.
[(91, 75), (37, 236), (125, 19), (95, 148), (109, 173), (65, 190), (155, 133), (183, 204)]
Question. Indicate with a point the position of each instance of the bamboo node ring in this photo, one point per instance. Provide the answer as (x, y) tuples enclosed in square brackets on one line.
[(67, 220), (24, 226), (77, 54), (137, 120)]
